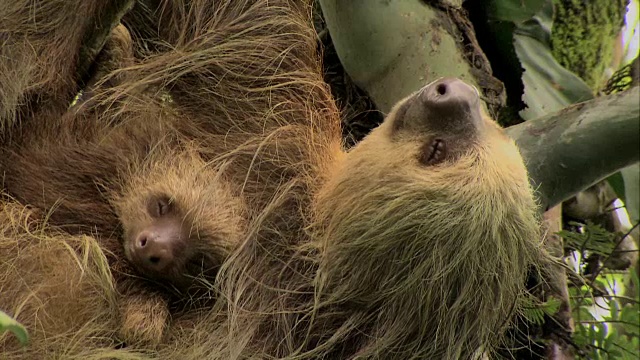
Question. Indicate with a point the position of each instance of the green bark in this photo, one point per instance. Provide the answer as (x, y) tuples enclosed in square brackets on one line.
[(572, 149), (392, 48)]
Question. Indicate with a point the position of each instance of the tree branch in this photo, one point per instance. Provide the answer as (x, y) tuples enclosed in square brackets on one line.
[(392, 48), (570, 150), (94, 40)]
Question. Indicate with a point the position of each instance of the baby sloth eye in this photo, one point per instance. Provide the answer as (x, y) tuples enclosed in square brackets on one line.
[(159, 206)]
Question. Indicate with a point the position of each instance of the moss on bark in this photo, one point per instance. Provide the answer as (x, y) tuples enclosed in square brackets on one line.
[(583, 36)]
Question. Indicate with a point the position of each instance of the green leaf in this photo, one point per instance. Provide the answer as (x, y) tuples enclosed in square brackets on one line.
[(631, 176), (514, 10), (635, 280), (584, 315), (617, 184), (551, 306), (614, 353), (539, 25), (594, 238), (548, 86), (607, 345), (7, 323), (580, 337), (614, 308), (631, 319), (601, 333)]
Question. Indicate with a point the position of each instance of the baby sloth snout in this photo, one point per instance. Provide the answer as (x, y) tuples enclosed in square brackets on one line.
[(157, 248)]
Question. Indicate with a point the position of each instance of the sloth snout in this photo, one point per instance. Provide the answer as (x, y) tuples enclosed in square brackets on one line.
[(448, 96), (154, 250), (446, 107)]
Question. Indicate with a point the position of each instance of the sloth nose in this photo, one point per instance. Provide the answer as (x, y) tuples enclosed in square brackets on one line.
[(154, 251), (448, 96), (447, 106)]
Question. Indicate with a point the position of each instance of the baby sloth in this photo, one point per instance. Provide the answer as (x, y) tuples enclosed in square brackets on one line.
[(180, 220), (166, 243)]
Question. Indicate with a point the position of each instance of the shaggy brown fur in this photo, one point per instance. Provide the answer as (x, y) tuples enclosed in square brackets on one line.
[(426, 244), (94, 178), (404, 258), (206, 213), (202, 208), (76, 173), (39, 53), (183, 194), (56, 284), (374, 253)]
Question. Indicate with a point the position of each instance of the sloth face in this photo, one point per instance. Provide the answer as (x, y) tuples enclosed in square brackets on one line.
[(439, 136), (180, 220)]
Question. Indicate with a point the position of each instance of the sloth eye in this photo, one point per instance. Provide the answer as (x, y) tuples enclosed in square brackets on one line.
[(163, 208), (434, 152), (159, 206)]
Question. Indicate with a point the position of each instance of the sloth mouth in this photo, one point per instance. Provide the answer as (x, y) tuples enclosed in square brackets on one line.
[(434, 152)]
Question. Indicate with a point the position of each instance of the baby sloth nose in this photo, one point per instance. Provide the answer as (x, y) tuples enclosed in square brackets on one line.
[(154, 250)]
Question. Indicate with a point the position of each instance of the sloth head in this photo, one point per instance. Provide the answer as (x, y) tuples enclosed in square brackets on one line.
[(180, 219), (429, 226)]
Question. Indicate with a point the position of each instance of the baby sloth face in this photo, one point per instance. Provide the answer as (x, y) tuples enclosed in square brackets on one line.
[(180, 220), (161, 246)]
